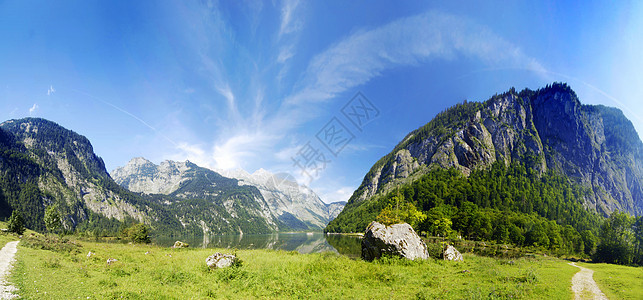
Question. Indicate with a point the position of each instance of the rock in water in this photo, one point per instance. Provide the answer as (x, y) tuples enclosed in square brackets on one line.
[(451, 253), (179, 244), (220, 260), (397, 240)]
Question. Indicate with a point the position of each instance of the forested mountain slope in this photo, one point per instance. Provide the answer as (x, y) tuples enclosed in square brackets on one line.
[(44, 164), (539, 153)]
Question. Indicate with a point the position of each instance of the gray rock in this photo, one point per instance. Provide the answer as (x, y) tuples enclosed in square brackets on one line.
[(179, 244), (396, 240), (220, 260), (451, 253)]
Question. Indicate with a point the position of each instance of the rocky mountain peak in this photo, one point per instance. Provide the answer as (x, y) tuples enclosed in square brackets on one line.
[(286, 197), (547, 129), (142, 176)]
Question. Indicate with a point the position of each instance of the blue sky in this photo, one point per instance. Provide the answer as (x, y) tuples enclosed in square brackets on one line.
[(243, 84)]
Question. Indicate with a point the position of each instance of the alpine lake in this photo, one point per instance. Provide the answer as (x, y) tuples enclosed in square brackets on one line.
[(302, 242)]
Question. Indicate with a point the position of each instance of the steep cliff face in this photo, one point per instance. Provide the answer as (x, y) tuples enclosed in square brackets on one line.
[(45, 164), (334, 209), (594, 146)]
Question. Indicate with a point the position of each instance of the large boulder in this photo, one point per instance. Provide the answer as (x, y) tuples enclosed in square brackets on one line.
[(395, 240), (220, 260), (451, 253)]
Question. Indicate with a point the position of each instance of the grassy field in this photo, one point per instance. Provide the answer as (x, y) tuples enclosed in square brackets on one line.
[(6, 237), (618, 282), (150, 272)]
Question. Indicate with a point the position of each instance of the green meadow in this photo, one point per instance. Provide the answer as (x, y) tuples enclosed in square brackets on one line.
[(152, 272), (51, 268)]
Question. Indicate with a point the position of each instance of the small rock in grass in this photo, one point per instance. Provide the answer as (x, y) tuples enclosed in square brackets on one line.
[(220, 260), (451, 253), (179, 244)]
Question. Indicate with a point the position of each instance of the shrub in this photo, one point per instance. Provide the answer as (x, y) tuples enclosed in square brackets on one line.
[(52, 243)]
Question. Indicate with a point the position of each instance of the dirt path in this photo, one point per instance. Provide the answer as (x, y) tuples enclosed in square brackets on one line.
[(6, 258), (584, 286)]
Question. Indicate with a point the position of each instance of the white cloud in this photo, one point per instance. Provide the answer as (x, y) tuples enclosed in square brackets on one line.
[(51, 90), (285, 53), (33, 109), (232, 152), (226, 92), (342, 194), (193, 153), (408, 41), (289, 23)]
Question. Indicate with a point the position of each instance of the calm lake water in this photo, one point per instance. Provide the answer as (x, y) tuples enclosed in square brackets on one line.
[(301, 242)]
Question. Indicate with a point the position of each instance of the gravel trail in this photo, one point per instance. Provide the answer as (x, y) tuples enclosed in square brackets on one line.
[(6, 259), (584, 286)]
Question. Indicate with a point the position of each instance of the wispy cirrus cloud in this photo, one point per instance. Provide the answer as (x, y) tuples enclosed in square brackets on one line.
[(433, 35), (289, 22), (33, 109), (50, 90), (258, 134)]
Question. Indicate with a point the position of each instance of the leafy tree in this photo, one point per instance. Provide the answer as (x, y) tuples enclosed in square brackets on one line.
[(589, 241), (16, 223), (616, 240), (139, 233), (501, 232), (52, 219), (481, 227), (516, 235), (538, 236), (400, 211), (638, 240), (441, 227)]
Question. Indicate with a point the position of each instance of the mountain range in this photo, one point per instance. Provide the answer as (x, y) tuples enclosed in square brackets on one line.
[(43, 164), (531, 152), (280, 199)]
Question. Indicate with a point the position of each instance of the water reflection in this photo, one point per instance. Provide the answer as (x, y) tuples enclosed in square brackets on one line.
[(311, 242)]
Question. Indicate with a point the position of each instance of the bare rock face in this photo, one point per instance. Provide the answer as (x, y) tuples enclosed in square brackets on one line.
[(220, 260), (396, 240), (451, 253)]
